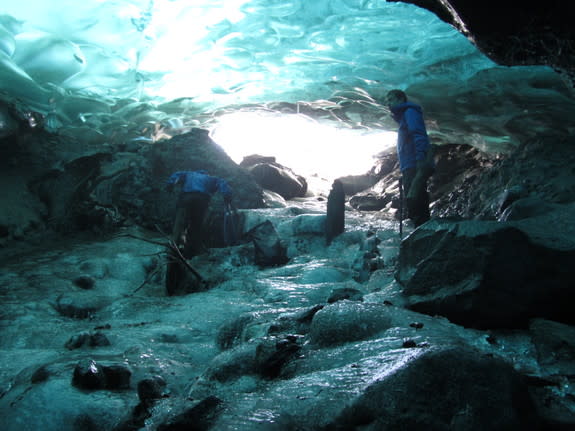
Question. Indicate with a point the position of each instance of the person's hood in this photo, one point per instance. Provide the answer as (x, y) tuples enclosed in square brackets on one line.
[(398, 110)]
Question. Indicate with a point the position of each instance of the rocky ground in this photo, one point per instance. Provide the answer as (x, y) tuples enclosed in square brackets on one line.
[(464, 325)]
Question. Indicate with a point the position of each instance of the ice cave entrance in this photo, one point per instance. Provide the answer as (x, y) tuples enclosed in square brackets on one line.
[(308, 147)]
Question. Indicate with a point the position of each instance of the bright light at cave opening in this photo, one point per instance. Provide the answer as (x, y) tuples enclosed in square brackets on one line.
[(300, 143)]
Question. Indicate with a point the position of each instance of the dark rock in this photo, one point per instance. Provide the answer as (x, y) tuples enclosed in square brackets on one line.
[(369, 202), (269, 250), (368, 258), (169, 338), (190, 151), (151, 389), (297, 322), (345, 321), (455, 166), (555, 345), (342, 293), (408, 344), (273, 353), (452, 188), (265, 356), (117, 376), (98, 340), (451, 388), (8, 121), (85, 422), (64, 190), (381, 193), (234, 363), (353, 184), (136, 420), (230, 333), (335, 220), (306, 315), (77, 341), (470, 184), (87, 339), (535, 35), (491, 339), (200, 417), (85, 282), (386, 163), (40, 375), (180, 279), (275, 177), (89, 375), (509, 196), (553, 403), (74, 308), (254, 159), (485, 274), (279, 179), (525, 208), (273, 199)]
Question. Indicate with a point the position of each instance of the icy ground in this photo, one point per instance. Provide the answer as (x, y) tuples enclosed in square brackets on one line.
[(178, 338)]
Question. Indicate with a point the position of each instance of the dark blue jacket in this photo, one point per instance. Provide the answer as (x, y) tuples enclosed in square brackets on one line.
[(412, 139), (199, 181)]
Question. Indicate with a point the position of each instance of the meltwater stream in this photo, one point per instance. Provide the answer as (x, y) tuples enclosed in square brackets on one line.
[(60, 301)]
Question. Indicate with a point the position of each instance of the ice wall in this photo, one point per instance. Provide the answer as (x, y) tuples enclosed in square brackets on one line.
[(111, 65), (222, 52)]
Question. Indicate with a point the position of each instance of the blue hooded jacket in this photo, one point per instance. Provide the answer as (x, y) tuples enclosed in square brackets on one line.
[(201, 182), (412, 140)]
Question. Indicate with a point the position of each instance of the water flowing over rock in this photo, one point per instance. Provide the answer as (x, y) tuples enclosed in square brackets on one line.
[(464, 323)]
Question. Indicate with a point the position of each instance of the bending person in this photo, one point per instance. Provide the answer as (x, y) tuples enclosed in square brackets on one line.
[(196, 190)]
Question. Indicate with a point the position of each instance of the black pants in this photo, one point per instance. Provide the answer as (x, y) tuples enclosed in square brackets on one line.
[(188, 224), (418, 205)]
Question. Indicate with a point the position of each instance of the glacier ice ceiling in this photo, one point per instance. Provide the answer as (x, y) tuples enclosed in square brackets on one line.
[(142, 69)]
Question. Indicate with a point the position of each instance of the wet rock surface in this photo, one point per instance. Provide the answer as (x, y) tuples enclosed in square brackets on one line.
[(453, 388), (486, 274), (286, 323), (261, 343)]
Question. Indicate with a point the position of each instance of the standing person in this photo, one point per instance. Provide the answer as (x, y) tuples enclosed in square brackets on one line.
[(415, 154), (196, 190)]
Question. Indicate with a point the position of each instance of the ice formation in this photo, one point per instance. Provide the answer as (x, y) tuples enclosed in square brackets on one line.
[(83, 59)]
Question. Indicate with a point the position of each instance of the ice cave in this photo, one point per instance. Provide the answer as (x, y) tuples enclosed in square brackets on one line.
[(304, 296)]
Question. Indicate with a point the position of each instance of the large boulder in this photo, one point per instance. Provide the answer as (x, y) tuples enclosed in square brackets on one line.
[(443, 389), (555, 346), (275, 177), (84, 186), (345, 321), (353, 184), (269, 249), (369, 201), (486, 274), (197, 151), (472, 184)]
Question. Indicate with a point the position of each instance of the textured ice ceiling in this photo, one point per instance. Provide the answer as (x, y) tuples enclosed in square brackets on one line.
[(115, 66)]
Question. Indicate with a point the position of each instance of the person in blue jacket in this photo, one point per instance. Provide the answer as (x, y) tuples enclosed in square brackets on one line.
[(196, 190), (415, 154)]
